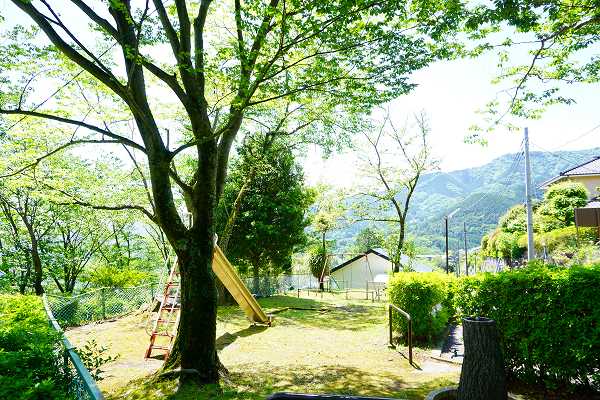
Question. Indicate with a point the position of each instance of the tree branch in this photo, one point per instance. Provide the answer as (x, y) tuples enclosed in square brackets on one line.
[(94, 128)]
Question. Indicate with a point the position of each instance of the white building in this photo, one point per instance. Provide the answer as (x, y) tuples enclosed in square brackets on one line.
[(372, 268)]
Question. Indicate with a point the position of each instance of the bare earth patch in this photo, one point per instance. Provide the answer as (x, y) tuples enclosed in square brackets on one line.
[(340, 347)]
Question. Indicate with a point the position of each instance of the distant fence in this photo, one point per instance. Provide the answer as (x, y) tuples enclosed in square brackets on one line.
[(81, 385), (269, 285), (99, 304)]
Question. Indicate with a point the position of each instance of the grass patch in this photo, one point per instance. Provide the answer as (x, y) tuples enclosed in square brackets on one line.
[(328, 345)]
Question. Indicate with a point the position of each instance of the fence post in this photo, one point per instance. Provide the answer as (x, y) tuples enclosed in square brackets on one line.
[(103, 302)]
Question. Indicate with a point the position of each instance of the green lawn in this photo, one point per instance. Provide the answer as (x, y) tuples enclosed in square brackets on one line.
[(338, 346)]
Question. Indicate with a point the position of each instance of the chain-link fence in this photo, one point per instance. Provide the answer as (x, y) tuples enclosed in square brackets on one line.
[(270, 285), (99, 304), (80, 383)]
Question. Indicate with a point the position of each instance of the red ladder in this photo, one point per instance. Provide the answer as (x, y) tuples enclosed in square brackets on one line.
[(167, 319)]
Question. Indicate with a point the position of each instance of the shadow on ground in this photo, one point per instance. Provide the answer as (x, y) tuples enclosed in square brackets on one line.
[(257, 382), (228, 338)]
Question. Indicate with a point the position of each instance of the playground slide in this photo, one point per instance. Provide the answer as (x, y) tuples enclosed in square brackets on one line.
[(226, 273)]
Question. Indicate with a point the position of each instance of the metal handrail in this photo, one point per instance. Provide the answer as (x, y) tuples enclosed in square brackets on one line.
[(88, 382), (391, 308)]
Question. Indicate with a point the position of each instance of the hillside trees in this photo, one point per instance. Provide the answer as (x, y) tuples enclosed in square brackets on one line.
[(391, 183), (358, 52)]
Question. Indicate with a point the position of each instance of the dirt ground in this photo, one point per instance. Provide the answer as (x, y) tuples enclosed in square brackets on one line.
[(340, 346)]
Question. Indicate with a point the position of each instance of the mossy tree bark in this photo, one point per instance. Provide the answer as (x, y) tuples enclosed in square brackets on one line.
[(482, 376)]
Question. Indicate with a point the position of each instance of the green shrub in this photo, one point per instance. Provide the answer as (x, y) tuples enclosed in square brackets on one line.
[(548, 319), (426, 297), (29, 367)]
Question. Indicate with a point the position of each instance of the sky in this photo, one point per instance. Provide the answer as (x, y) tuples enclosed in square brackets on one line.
[(450, 93)]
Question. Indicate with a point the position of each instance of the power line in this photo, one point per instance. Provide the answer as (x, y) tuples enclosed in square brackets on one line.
[(559, 156), (577, 138)]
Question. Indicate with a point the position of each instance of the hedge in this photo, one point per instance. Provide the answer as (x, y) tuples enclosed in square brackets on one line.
[(29, 367), (548, 319), (426, 297)]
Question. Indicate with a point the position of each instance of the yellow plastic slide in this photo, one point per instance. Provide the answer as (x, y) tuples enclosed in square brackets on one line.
[(226, 273)]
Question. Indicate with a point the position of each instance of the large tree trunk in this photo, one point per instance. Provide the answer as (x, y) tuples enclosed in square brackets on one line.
[(194, 348), (482, 376)]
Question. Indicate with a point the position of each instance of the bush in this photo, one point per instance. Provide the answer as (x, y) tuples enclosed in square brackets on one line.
[(29, 367), (426, 297), (548, 320)]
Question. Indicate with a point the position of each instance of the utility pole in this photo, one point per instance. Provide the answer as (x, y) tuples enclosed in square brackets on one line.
[(466, 254), (530, 245)]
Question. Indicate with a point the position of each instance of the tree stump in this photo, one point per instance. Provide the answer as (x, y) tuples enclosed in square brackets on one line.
[(482, 376)]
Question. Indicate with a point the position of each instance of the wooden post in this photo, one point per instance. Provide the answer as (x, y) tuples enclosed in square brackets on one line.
[(482, 375)]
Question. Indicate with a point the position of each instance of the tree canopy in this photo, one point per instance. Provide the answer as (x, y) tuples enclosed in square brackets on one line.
[(273, 214)]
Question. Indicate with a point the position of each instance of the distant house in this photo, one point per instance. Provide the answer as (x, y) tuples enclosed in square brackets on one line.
[(371, 267), (587, 173)]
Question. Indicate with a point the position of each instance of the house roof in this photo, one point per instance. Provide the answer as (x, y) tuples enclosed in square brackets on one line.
[(377, 252), (591, 167)]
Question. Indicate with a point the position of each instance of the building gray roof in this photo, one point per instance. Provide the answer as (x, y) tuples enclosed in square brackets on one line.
[(591, 167)]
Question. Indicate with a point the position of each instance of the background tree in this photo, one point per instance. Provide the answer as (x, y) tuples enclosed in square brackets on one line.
[(560, 200), (368, 238), (514, 220), (319, 263), (359, 53), (30, 222), (77, 237), (394, 163), (271, 219)]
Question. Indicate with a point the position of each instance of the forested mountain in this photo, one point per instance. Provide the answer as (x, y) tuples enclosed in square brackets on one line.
[(482, 194)]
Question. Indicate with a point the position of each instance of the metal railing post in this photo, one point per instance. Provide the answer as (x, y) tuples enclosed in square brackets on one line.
[(406, 315), (390, 324), (410, 358)]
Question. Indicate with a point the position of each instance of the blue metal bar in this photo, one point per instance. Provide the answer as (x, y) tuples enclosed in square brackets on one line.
[(88, 382)]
